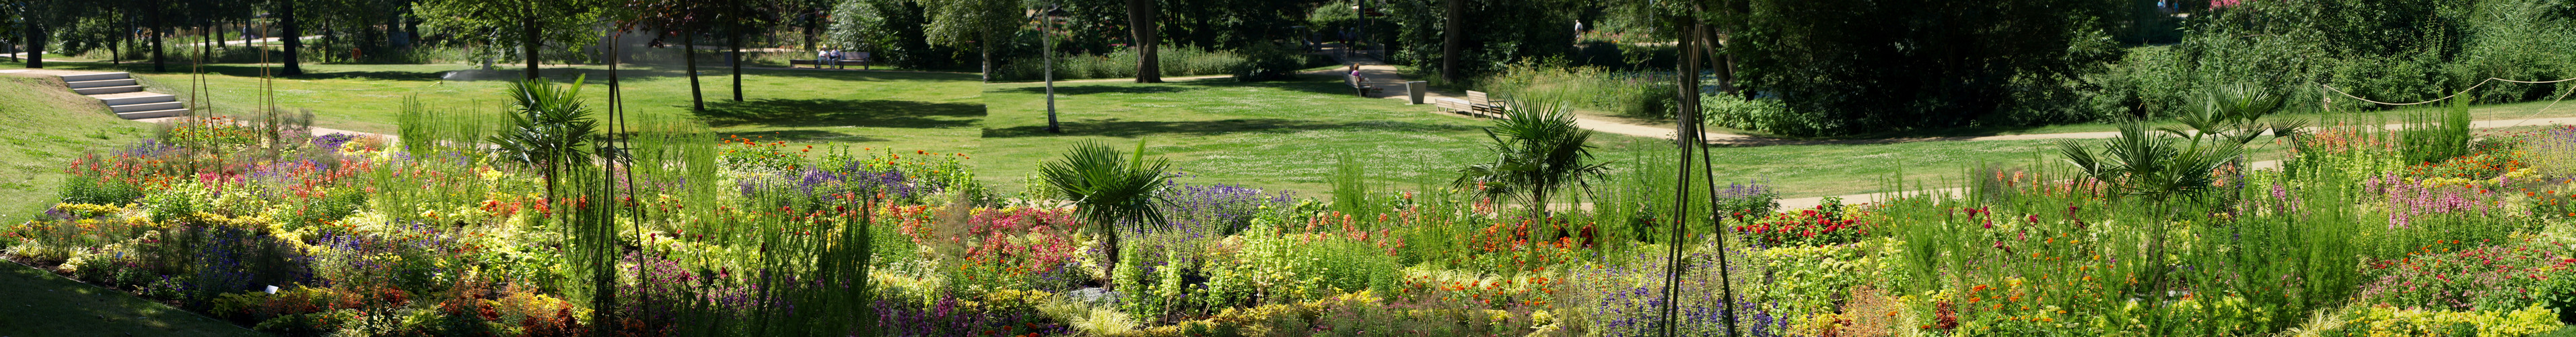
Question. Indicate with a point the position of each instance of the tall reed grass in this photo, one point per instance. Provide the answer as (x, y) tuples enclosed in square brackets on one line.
[(1176, 61)]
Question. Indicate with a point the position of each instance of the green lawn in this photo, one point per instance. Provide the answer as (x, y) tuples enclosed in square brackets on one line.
[(41, 304), (47, 128), (901, 110), (1284, 136), (2524, 110), (1273, 135)]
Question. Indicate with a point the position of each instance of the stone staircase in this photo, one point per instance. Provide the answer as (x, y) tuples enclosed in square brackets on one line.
[(117, 91), (125, 97)]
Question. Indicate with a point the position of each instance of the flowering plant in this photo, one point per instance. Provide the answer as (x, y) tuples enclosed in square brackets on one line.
[(1817, 226)]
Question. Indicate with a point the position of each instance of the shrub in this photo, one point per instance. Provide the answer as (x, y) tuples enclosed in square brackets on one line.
[(85, 189), (1269, 61), (1828, 224), (1176, 61), (2473, 276), (2383, 320)]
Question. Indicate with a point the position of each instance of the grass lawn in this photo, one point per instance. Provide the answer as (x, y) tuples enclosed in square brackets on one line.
[(1285, 136), (1272, 135), (2524, 110), (901, 110), (47, 128), (41, 304)]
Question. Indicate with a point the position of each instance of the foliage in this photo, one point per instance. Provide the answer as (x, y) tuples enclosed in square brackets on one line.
[(1642, 95), (1121, 63), (2430, 139), (2383, 320), (1926, 64), (1538, 150), (1111, 194), (2473, 275)]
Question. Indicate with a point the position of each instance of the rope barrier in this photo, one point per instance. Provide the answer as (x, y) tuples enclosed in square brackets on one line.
[(2455, 94), (2552, 102)]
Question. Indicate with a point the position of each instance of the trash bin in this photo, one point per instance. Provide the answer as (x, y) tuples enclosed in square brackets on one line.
[(1416, 88)]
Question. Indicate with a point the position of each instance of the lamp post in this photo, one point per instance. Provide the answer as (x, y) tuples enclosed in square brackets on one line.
[(1047, 40)]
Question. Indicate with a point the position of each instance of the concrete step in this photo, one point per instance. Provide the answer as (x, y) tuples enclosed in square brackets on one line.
[(108, 90), (96, 77), (152, 114), (101, 83), (121, 109), (134, 98)]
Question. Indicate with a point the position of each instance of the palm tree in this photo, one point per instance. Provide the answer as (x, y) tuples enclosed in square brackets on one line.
[(1540, 150), (548, 129), (1109, 190)]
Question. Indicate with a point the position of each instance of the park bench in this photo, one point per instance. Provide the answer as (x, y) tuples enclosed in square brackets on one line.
[(1483, 103), (1477, 104), (1360, 85), (858, 58)]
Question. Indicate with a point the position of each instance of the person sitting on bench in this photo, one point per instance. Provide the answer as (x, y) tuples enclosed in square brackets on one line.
[(1358, 83)]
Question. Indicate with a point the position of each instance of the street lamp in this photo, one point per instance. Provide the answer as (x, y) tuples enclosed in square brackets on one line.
[(1047, 40)]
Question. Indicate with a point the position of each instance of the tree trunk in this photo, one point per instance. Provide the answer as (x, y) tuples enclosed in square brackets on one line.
[(1144, 35), (35, 44), (689, 52), (1454, 36), (293, 37), (736, 61), (159, 25), (988, 57), (528, 30)]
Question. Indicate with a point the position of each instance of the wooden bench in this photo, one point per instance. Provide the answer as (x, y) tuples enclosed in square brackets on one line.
[(1480, 102), (1360, 86), (860, 59)]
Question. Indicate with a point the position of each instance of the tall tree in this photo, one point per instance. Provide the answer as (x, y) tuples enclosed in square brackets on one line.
[(532, 23), (684, 18), (292, 33), (980, 24), (1454, 37), (1145, 35)]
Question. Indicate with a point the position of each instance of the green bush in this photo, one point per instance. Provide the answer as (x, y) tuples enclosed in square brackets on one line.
[(1176, 61), (82, 189), (1265, 61)]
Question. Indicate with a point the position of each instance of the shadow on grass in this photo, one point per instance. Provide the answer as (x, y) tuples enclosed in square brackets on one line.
[(840, 112), (807, 136), (1094, 88), (1119, 128), (469, 73)]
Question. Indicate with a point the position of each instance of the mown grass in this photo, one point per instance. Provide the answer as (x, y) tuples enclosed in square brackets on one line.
[(1272, 135), (41, 304), (2524, 110), (1285, 136), (903, 110), (47, 128)]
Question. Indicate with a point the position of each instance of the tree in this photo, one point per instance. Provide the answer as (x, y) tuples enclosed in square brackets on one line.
[(973, 23), (1455, 35), (739, 16), (1917, 64), (681, 17), (1538, 150), (293, 34), (1144, 35), (1110, 189), (530, 22)]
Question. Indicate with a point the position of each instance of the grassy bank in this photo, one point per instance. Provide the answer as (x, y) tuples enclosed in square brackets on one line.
[(903, 110)]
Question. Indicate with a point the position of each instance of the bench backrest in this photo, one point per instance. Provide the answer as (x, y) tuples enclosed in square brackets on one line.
[(863, 56), (1477, 97)]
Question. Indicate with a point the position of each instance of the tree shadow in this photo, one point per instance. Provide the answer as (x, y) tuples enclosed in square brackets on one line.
[(840, 112), (815, 136), (1061, 89), (1123, 128)]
